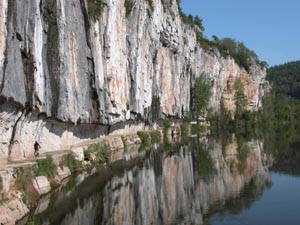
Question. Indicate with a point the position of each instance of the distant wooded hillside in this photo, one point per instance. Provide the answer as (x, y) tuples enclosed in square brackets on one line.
[(285, 79)]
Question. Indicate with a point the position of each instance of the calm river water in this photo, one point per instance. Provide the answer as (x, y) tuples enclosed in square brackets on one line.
[(199, 183)]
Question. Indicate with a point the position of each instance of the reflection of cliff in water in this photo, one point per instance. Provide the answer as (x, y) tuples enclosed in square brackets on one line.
[(167, 188)]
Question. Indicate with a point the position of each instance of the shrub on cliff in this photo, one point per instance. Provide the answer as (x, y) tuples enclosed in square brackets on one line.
[(101, 152), (102, 155), (155, 136), (240, 98), (167, 123), (144, 136), (45, 167), (202, 95), (129, 4), (70, 161), (95, 7)]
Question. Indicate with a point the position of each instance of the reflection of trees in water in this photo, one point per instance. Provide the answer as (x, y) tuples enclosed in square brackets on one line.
[(288, 161), (202, 161)]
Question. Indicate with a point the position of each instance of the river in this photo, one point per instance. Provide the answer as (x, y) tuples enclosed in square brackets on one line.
[(203, 182)]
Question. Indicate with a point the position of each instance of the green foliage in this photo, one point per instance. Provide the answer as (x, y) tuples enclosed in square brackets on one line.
[(25, 200), (283, 110), (102, 155), (101, 151), (197, 129), (242, 55), (144, 136), (277, 123), (150, 3), (95, 7), (243, 152), (30, 223), (202, 94), (167, 123), (87, 153), (238, 51), (155, 136), (45, 167), (204, 164), (70, 161), (184, 127), (129, 4), (168, 147), (240, 98), (190, 19), (285, 79), (148, 138)]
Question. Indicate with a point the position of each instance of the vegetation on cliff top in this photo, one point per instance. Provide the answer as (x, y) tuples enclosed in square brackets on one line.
[(241, 54)]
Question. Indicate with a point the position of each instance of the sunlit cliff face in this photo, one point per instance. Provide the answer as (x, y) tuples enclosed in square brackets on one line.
[(173, 188), (75, 69)]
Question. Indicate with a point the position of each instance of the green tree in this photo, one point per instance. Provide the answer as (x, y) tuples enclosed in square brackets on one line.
[(198, 22), (202, 94), (240, 98)]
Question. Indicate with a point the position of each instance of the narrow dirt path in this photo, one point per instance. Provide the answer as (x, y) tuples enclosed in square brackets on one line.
[(29, 161)]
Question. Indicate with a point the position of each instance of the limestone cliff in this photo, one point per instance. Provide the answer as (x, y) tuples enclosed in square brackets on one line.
[(66, 76)]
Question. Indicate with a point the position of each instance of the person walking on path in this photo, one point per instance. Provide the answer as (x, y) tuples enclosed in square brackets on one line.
[(36, 149)]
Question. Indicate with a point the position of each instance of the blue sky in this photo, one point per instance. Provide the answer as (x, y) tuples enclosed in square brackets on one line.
[(269, 27)]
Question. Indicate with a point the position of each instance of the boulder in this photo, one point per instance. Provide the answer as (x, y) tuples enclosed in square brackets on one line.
[(41, 185), (78, 153), (63, 172), (131, 139)]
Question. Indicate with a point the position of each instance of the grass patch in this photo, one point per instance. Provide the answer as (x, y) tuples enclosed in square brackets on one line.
[(101, 152), (45, 167), (70, 161)]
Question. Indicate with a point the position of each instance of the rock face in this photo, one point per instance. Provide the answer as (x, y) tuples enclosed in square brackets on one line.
[(66, 76), (41, 185), (12, 211)]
